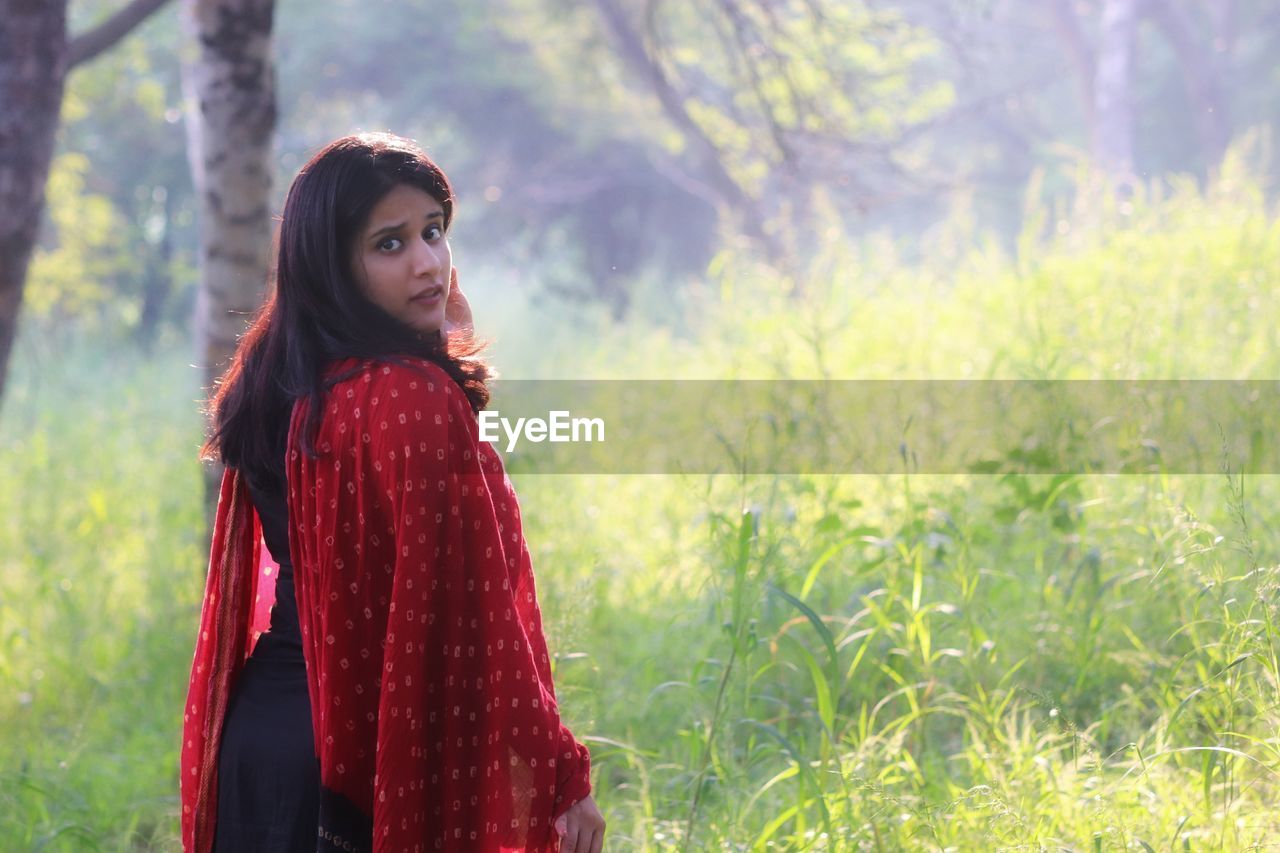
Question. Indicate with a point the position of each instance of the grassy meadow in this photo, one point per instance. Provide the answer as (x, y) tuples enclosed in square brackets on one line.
[(788, 663)]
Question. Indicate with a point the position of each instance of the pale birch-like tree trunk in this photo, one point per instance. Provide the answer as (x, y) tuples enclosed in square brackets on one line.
[(231, 116), (1079, 51), (1113, 90)]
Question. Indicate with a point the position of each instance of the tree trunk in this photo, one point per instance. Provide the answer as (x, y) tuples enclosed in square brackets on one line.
[(1083, 61), (1113, 90), (35, 57), (231, 117), (33, 66), (157, 282), (230, 131)]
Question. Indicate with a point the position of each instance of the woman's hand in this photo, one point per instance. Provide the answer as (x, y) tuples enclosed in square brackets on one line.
[(457, 311), (581, 828)]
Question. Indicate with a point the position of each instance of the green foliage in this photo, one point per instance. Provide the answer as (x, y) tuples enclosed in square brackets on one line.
[(99, 584), (117, 250), (73, 278), (881, 662)]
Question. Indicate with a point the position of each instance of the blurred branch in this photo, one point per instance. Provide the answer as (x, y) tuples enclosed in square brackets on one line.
[(727, 191), (746, 45), (89, 45), (637, 56), (1202, 78)]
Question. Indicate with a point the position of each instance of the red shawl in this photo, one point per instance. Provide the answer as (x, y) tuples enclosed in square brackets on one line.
[(434, 714)]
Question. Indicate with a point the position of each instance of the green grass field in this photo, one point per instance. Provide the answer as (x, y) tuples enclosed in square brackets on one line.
[(792, 663)]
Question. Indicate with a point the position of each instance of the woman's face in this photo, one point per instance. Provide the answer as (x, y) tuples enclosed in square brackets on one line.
[(402, 261)]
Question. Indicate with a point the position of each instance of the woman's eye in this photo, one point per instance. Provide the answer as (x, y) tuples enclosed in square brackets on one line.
[(434, 232), (386, 245)]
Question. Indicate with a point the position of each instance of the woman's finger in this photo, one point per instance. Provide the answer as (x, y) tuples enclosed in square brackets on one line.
[(597, 842), (457, 309), (569, 841)]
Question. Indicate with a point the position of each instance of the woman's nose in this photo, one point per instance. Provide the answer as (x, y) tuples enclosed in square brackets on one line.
[(427, 258)]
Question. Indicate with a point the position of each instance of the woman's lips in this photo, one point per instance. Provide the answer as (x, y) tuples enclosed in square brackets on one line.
[(429, 297)]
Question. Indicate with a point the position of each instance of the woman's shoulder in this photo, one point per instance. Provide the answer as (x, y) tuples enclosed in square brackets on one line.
[(386, 382)]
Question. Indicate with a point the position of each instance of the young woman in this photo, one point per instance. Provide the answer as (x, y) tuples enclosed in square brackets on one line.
[(402, 697)]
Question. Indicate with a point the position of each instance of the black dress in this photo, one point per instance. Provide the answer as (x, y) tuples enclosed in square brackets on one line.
[(268, 773)]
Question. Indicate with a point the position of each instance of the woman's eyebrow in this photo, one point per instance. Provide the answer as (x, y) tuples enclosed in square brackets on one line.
[(386, 229)]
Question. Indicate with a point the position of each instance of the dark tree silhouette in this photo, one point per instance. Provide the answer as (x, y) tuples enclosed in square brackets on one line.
[(35, 58)]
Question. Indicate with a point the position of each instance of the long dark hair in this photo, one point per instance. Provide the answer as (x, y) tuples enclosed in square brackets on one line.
[(317, 315)]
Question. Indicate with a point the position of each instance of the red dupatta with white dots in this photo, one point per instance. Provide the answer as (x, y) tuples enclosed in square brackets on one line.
[(434, 713), (223, 644)]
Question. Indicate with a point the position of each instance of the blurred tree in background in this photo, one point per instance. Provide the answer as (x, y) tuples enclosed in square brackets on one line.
[(228, 82), (36, 52)]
